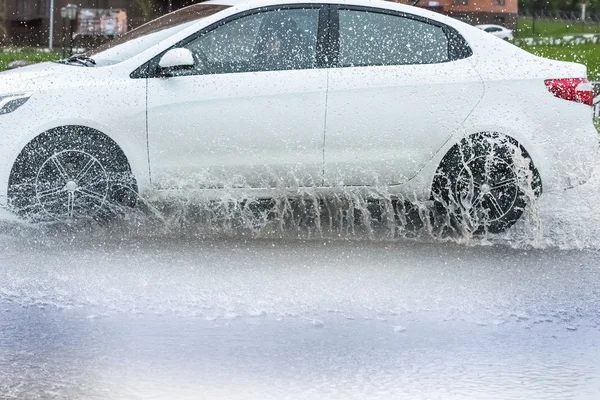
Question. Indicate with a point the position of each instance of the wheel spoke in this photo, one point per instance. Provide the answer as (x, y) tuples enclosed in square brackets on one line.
[(85, 170), (101, 180), (469, 196), (478, 201), (70, 204), (50, 192), (470, 181), (495, 205), (91, 194), (60, 168), (503, 183)]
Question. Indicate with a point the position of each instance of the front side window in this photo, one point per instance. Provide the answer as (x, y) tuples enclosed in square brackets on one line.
[(275, 40), (371, 39)]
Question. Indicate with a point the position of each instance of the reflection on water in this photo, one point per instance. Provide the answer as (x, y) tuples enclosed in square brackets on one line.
[(173, 318), (139, 357)]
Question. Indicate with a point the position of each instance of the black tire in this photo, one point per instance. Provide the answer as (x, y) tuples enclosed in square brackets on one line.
[(485, 183), (71, 173)]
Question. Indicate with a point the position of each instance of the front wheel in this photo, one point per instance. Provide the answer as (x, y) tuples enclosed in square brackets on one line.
[(71, 174), (486, 184)]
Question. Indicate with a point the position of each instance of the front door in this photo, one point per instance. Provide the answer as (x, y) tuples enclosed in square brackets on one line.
[(250, 114)]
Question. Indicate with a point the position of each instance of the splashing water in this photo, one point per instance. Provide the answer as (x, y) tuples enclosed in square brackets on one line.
[(565, 220)]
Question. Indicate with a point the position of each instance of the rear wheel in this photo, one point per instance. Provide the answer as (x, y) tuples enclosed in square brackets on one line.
[(485, 184), (71, 173)]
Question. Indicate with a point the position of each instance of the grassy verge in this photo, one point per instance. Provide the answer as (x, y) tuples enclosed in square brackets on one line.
[(29, 55), (549, 27), (587, 54)]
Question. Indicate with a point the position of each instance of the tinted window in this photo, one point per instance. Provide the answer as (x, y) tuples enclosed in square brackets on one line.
[(493, 29), (368, 38), (267, 41)]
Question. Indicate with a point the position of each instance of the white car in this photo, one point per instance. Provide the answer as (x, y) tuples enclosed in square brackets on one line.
[(284, 96), (497, 30)]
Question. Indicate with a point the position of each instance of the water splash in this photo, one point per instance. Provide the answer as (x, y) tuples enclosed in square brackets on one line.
[(565, 220)]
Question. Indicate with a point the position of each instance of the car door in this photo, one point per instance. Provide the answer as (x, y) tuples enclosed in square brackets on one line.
[(402, 88), (250, 113)]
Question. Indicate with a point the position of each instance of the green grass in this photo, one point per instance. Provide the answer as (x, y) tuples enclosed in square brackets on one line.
[(587, 54), (548, 27), (30, 55)]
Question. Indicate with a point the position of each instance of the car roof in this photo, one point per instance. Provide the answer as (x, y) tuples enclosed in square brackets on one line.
[(389, 5), (374, 3)]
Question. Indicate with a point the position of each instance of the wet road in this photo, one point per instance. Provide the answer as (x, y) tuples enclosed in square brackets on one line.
[(160, 317), (169, 308)]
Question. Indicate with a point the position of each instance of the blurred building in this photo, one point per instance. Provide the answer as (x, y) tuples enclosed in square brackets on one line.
[(27, 22), (501, 12)]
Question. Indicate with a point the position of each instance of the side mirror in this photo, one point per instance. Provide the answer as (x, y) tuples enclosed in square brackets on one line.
[(177, 59)]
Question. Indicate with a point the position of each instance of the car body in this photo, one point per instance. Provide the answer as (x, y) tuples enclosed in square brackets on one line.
[(359, 117), (497, 30)]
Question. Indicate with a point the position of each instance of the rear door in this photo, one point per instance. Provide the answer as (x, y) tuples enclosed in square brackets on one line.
[(403, 85)]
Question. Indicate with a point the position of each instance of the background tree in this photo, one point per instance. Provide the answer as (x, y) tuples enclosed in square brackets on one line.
[(2, 21), (146, 7), (553, 6)]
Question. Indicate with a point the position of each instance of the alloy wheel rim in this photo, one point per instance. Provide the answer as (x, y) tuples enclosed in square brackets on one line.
[(71, 184), (487, 188)]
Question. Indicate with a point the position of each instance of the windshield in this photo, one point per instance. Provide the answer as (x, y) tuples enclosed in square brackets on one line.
[(148, 35)]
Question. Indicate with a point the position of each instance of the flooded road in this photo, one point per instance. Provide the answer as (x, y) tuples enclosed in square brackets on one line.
[(114, 318)]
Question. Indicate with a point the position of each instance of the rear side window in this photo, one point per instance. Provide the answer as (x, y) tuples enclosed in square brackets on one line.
[(370, 38)]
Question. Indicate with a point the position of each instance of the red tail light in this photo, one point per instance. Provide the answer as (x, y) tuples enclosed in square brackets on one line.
[(579, 90)]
